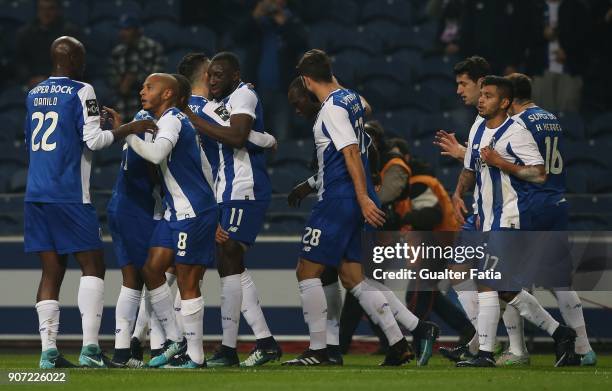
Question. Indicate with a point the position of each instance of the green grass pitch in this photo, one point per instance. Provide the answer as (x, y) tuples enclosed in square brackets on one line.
[(360, 372)]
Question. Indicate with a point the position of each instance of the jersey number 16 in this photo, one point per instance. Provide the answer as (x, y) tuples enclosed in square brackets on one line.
[(554, 161)]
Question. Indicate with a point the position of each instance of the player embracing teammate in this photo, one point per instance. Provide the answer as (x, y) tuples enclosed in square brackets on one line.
[(497, 156)]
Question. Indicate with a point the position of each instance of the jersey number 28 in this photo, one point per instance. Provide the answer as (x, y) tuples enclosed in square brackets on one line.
[(41, 118)]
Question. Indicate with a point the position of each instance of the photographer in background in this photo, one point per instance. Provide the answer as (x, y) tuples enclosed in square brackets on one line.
[(413, 198)]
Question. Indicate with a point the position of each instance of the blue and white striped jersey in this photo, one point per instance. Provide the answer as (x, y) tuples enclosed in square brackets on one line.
[(187, 192), (62, 117), (242, 172), (502, 198), (548, 134), (135, 192), (209, 147), (340, 123)]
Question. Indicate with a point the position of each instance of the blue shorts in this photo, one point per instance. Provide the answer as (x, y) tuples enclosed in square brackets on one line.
[(503, 252), (243, 219), (333, 232), (553, 254), (131, 245), (527, 258), (551, 217), (192, 239), (469, 236), (470, 223), (63, 228)]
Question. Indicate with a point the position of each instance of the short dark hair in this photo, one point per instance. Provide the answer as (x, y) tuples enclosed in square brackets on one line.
[(375, 129), (191, 64), (184, 89), (504, 86), (230, 58), (522, 86), (400, 143), (475, 67), (315, 64), (297, 84)]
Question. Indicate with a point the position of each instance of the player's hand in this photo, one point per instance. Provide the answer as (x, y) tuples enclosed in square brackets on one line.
[(188, 112), (491, 156), (298, 193), (142, 126), (115, 117), (477, 223), (370, 211), (459, 208), (449, 145), (221, 236)]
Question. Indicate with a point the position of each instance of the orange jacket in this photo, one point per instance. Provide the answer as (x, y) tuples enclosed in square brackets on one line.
[(449, 222), (403, 206)]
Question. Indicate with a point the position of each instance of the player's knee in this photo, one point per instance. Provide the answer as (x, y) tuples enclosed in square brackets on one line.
[(53, 275), (92, 263), (95, 268), (349, 282), (230, 259), (132, 278), (188, 290), (232, 250), (306, 270), (149, 270)]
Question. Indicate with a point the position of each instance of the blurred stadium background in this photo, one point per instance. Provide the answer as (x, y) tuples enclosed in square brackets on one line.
[(388, 50)]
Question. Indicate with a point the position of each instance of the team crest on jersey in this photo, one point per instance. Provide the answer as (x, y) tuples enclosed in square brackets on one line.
[(92, 107), (222, 112)]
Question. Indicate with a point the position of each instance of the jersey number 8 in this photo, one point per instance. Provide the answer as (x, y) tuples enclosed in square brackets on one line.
[(41, 118), (182, 241)]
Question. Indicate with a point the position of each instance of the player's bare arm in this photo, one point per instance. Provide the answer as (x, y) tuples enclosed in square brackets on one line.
[(235, 135), (466, 182), (534, 174), (449, 145), (264, 140), (299, 192), (370, 211), (367, 108), (122, 130)]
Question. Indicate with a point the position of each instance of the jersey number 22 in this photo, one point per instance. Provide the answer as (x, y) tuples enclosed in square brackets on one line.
[(41, 118)]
